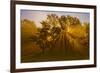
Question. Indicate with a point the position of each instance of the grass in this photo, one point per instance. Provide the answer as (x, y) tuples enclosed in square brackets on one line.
[(52, 56)]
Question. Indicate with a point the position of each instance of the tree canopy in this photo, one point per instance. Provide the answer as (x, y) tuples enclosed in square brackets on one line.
[(54, 31)]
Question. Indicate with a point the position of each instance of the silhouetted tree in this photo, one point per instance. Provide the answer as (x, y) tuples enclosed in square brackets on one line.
[(53, 32)]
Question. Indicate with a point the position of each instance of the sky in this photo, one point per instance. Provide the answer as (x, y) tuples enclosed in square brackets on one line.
[(38, 16)]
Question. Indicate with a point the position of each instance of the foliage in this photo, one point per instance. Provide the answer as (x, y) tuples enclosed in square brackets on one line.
[(61, 32)]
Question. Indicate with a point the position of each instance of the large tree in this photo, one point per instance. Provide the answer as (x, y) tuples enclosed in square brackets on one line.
[(53, 33)]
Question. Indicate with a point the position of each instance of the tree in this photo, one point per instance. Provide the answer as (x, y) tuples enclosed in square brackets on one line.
[(53, 33), (72, 20), (63, 22), (52, 20), (86, 27)]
